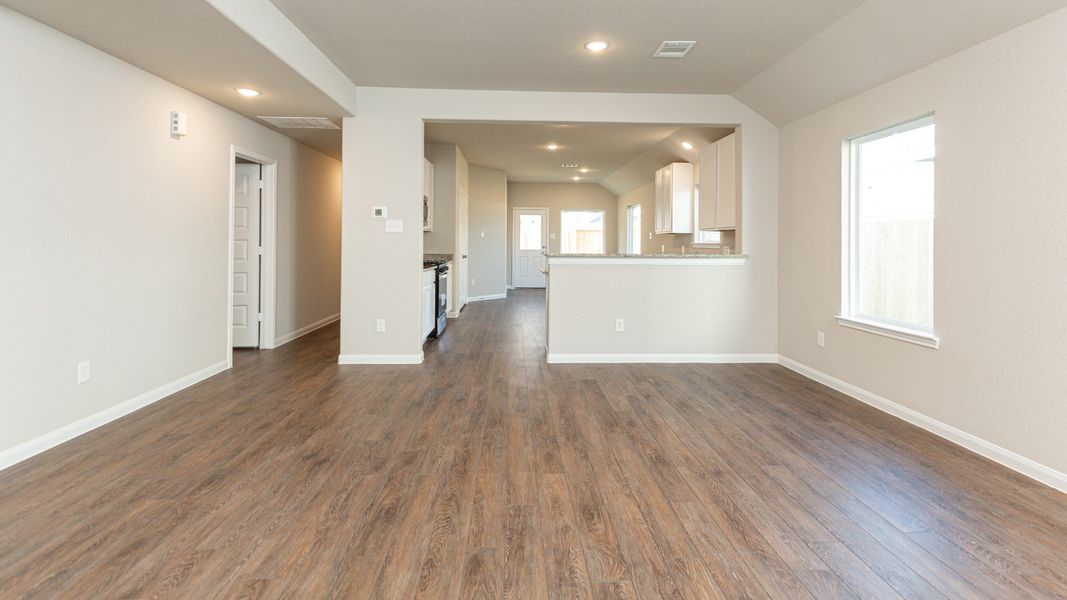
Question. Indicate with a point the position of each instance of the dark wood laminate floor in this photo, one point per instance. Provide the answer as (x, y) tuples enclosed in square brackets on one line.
[(486, 473)]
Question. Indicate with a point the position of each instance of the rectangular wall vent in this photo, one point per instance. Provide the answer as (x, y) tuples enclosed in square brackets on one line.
[(300, 122), (675, 49)]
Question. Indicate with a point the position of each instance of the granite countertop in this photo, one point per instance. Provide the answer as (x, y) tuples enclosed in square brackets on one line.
[(432, 260)]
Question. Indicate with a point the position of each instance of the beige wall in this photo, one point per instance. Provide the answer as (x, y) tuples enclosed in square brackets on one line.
[(116, 236), (651, 243), (445, 174), (383, 149), (999, 262), (557, 197), (705, 312), (487, 214)]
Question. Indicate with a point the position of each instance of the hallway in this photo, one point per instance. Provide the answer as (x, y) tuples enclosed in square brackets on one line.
[(485, 472)]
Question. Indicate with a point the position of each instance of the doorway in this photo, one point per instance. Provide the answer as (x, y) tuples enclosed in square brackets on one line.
[(253, 227), (531, 241)]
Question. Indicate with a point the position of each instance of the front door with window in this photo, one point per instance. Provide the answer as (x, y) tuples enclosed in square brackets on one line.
[(530, 228)]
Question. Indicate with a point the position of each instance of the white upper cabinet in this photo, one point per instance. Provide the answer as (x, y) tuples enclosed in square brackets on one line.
[(674, 198), (720, 175), (427, 195)]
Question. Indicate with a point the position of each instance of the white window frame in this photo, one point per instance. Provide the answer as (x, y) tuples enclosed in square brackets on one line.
[(630, 228), (849, 316)]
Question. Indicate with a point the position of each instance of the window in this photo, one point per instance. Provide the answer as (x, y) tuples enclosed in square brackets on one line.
[(633, 229), (703, 236), (530, 232), (581, 232), (889, 212)]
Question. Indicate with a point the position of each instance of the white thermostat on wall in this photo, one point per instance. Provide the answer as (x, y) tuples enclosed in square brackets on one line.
[(179, 124), (379, 212)]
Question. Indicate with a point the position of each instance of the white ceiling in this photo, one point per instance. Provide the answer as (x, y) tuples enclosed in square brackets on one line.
[(786, 59), (537, 44), (618, 156), (879, 41), (190, 44)]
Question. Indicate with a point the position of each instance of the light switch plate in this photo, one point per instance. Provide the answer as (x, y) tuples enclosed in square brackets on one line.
[(820, 339), (84, 371), (379, 325), (394, 226)]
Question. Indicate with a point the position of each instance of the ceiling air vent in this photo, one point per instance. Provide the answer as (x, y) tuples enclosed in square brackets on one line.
[(673, 49), (569, 165), (300, 122)]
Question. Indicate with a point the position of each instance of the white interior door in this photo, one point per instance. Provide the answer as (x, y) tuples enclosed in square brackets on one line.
[(530, 233), (460, 262), (246, 248)]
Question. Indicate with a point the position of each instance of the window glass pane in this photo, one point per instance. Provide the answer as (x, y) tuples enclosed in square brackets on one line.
[(894, 227), (708, 237), (529, 232), (633, 239), (581, 232)]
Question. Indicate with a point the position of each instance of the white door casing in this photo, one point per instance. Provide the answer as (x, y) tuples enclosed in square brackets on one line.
[(246, 255), (461, 261), (528, 251)]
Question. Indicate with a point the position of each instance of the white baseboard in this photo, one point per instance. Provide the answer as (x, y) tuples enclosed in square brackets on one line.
[(379, 359), (453, 314), (1016, 462), (489, 297), (66, 433), (661, 358), (511, 287), (285, 339)]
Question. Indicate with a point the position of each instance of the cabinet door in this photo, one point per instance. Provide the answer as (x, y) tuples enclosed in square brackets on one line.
[(681, 186), (428, 309), (668, 198), (709, 192), (726, 216), (659, 200)]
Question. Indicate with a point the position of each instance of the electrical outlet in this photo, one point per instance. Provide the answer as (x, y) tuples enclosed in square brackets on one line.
[(84, 372), (473, 282), (620, 325), (820, 339), (379, 326)]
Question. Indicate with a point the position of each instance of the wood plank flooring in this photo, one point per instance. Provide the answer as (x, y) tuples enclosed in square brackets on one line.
[(485, 473)]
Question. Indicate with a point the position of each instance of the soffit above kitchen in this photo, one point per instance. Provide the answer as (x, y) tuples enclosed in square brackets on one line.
[(617, 156)]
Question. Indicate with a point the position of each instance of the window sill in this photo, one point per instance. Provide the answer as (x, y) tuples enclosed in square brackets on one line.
[(903, 334)]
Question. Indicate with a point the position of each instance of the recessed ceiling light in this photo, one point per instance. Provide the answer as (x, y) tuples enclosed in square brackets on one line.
[(687, 145), (247, 92), (596, 46), (576, 178), (584, 169), (552, 147)]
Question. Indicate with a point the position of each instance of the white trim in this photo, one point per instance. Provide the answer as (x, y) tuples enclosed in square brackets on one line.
[(510, 287), (268, 287), (676, 261), (662, 358), (380, 359), (285, 339), (903, 334), (1016, 462), (453, 314), (489, 297), (66, 433)]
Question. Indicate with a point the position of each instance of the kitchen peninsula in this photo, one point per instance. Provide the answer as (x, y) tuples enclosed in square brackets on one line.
[(654, 308)]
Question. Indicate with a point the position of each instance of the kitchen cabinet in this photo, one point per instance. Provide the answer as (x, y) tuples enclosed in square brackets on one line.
[(674, 198), (429, 301), (720, 177), (427, 195)]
